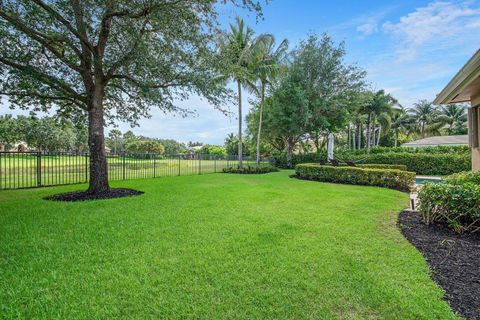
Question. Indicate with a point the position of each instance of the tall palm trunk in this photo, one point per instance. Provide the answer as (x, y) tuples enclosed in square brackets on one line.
[(353, 137), (359, 132), (369, 122), (240, 140), (373, 135), (396, 137), (378, 135), (260, 122), (348, 137)]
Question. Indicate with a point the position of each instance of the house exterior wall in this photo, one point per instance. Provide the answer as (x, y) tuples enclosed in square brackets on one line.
[(474, 132)]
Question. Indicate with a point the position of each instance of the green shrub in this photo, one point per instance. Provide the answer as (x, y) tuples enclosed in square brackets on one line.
[(464, 177), (423, 163), (389, 178), (428, 150), (401, 167), (281, 159), (457, 205), (251, 169), (439, 160)]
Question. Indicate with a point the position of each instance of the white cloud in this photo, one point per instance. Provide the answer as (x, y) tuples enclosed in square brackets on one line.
[(444, 23), (368, 28)]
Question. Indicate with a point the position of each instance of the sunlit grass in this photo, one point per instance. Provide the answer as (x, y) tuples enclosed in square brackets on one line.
[(213, 247)]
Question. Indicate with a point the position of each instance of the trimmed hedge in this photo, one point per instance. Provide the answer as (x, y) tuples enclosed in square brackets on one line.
[(423, 163), (281, 159), (464, 177), (430, 150), (388, 178), (401, 167), (457, 205), (250, 169)]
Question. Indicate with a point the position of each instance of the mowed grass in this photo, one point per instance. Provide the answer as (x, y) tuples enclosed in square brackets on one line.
[(215, 246)]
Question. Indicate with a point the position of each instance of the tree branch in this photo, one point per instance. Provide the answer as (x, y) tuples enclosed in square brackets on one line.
[(63, 21), (104, 33), (41, 96), (140, 84), (51, 81), (41, 38)]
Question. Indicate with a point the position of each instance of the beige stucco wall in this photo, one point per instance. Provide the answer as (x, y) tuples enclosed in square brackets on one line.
[(475, 101)]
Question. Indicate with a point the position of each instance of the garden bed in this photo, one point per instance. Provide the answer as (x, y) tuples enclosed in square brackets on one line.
[(453, 258), (85, 196)]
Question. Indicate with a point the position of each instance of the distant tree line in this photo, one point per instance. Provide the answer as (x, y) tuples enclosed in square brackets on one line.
[(43, 134)]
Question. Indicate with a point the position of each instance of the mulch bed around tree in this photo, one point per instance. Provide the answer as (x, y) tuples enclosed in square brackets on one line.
[(453, 258), (84, 196)]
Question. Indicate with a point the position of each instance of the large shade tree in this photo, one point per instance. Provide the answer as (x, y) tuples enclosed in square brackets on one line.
[(330, 84), (286, 115), (109, 59)]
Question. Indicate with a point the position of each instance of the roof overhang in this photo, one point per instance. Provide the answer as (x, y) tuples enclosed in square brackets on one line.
[(464, 85)]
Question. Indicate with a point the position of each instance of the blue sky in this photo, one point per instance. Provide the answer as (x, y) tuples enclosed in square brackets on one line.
[(409, 48)]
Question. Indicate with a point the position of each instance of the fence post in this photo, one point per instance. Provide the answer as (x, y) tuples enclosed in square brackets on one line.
[(39, 169), (215, 164), (200, 163), (124, 167), (86, 167), (154, 164), (178, 164)]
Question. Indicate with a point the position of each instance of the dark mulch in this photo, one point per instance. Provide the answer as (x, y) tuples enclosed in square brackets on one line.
[(84, 196), (453, 258)]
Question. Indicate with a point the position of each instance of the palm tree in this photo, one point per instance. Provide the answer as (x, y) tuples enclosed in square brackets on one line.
[(454, 116), (358, 121), (425, 117), (238, 49), (379, 106), (114, 136), (400, 121), (266, 64)]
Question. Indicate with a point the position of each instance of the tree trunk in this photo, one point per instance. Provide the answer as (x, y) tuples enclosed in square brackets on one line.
[(349, 132), (369, 120), (372, 144), (360, 132), (240, 140), (260, 122), (96, 141), (378, 135), (316, 142), (396, 138), (354, 129), (290, 145)]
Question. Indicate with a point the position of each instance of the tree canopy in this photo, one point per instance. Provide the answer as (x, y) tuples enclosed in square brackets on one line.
[(112, 59)]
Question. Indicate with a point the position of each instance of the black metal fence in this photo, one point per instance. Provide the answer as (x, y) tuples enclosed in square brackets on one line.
[(37, 169)]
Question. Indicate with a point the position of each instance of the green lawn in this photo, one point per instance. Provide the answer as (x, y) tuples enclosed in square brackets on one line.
[(213, 246)]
